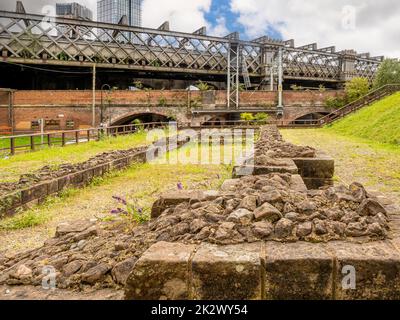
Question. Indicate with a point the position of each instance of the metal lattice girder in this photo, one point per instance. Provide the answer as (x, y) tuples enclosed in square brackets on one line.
[(233, 75), (305, 64), (69, 42)]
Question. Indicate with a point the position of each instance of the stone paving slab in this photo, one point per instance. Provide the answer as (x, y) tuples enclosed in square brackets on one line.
[(270, 270)]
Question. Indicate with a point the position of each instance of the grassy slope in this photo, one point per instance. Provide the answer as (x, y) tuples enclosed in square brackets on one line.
[(379, 122)]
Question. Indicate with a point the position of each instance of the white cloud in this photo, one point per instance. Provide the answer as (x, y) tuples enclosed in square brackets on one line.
[(376, 29), (183, 15)]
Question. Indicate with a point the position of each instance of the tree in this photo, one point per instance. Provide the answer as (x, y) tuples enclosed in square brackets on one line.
[(388, 73), (356, 88)]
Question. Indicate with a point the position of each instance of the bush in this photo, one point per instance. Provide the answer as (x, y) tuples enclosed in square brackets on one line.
[(388, 73), (262, 118), (335, 103), (247, 117), (139, 124), (203, 86), (356, 88)]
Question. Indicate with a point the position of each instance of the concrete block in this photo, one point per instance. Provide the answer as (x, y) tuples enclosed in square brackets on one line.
[(162, 273), (298, 271), (227, 272)]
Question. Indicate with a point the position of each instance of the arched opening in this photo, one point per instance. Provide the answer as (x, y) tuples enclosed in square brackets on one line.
[(148, 120), (309, 118)]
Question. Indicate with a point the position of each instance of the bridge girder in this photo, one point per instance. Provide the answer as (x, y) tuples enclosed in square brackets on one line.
[(63, 41)]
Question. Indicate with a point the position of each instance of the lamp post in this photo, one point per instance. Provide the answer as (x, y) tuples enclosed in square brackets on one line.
[(102, 104)]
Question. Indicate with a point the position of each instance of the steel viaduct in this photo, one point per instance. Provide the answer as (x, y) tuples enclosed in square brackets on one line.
[(79, 47)]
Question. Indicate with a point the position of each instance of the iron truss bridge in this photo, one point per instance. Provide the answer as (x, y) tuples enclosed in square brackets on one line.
[(35, 39)]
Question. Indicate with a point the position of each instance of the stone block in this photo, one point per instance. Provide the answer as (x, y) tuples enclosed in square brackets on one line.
[(230, 185), (87, 176), (227, 272), (316, 183), (9, 202), (76, 179), (34, 193), (63, 182), (297, 183), (377, 270), (53, 186), (298, 271), (174, 198), (323, 167), (161, 273)]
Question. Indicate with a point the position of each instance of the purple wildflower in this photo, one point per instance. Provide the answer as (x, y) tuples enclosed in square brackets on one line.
[(120, 200), (180, 186)]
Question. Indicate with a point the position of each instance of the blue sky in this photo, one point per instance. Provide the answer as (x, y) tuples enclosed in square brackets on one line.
[(222, 8)]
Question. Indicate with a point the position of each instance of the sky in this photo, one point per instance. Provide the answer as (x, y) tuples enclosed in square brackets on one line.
[(364, 25)]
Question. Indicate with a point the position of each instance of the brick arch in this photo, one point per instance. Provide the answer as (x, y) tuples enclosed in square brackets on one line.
[(294, 113), (125, 117)]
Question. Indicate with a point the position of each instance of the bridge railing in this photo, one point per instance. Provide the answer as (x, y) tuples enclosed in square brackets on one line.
[(366, 100), (12, 144)]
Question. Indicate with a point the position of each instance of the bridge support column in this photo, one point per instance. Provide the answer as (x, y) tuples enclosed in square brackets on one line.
[(233, 75), (348, 65), (267, 61)]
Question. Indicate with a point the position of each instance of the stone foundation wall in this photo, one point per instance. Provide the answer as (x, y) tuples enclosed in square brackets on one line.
[(265, 271), (36, 191)]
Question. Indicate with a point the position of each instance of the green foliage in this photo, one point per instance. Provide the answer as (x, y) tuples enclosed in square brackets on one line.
[(139, 124), (162, 102), (155, 63), (321, 88), (23, 220), (295, 87), (335, 102), (62, 56), (203, 86), (356, 88), (138, 84), (262, 118), (246, 117), (388, 73), (378, 122)]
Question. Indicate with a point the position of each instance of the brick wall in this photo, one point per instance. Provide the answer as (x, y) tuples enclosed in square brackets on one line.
[(76, 105), (157, 97)]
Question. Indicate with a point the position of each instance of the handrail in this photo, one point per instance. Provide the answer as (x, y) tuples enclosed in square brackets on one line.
[(360, 102)]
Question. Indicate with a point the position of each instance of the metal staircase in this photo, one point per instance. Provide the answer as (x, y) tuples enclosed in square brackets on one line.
[(364, 101)]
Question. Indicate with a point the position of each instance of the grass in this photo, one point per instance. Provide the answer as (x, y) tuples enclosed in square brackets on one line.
[(374, 164), (377, 123), (142, 182), (11, 168), (26, 142)]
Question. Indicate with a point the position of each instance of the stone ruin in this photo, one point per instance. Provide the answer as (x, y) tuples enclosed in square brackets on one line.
[(261, 236)]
